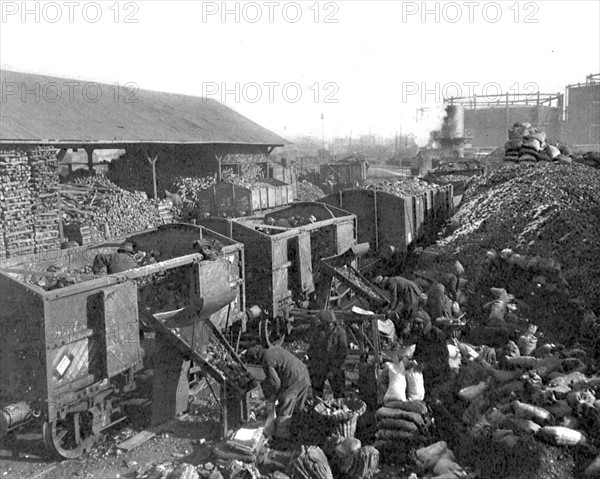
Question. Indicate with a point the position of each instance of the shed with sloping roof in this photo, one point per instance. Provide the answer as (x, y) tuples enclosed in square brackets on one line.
[(67, 113)]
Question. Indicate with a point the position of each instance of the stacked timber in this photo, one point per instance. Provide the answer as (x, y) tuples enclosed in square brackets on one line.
[(165, 212), (81, 234), (44, 185), (16, 203), (104, 208)]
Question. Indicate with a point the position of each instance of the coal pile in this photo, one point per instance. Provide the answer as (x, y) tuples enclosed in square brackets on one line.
[(450, 178), (190, 188), (182, 173), (309, 192), (458, 166), (537, 209), (402, 187)]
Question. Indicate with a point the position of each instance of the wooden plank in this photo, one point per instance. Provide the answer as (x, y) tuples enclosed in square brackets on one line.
[(136, 440)]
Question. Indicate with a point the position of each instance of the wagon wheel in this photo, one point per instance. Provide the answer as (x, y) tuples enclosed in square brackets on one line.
[(272, 332), (68, 438)]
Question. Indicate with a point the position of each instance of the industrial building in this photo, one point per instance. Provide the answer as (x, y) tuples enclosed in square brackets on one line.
[(573, 116), (582, 113)]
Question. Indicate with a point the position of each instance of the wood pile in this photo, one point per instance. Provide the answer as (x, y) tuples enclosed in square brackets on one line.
[(44, 187), (98, 204), (83, 235), (190, 187), (16, 204)]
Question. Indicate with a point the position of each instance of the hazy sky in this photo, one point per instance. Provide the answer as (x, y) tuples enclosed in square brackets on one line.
[(366, 66)]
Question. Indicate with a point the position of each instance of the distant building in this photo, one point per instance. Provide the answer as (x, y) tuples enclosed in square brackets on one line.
[(582, 113), (489, 122), (572, 117)]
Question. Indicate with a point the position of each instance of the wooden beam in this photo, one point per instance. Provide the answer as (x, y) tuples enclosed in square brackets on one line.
[(90, 157), (152, 161), (61, 230), (61, 154), (219, 172)]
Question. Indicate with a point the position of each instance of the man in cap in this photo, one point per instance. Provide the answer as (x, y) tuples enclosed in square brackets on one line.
[(117, 262), (210, 250), (327, 353), (287, 381), (404, 297)]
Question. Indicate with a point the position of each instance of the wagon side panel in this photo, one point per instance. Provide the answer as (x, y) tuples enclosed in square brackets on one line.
[(92, 335), (419, 215), (392, 221), (300, 256), (219, 285), (362, 204), (282, 295), (22, 342), (121, 328), (345, 232), (410, 216), (258, 258)]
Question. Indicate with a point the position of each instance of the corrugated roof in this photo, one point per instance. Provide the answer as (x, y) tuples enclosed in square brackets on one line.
[(31, 112)]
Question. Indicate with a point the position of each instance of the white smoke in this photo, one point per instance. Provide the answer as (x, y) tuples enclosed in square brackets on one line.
[(428, 119)]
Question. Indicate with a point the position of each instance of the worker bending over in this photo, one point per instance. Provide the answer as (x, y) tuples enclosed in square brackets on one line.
[(117, 262), (287, 381), (404, 297)]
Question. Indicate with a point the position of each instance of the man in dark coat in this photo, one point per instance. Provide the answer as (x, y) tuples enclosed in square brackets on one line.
[(404, 296), (327, 353), (117, 262), (431, 352), (287, 381)]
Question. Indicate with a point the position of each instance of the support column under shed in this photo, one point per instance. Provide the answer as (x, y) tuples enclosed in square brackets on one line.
[(90, 158)]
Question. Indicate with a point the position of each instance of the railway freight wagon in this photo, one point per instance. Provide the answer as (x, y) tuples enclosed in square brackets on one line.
[(283, 262), (345, 173), (387, 220), (230, 200), (70, 343)]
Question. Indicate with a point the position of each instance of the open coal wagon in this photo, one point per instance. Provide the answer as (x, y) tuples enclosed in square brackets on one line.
[(71, 341), (391, 223), (283, 252)]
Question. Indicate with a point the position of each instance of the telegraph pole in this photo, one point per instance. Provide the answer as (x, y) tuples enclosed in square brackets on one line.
[(323, 130)]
